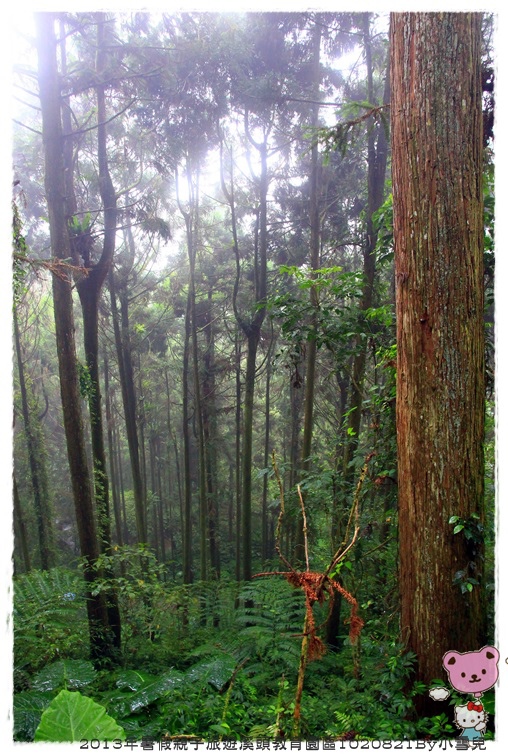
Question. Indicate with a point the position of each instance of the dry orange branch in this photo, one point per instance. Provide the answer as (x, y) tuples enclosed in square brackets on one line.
[(317, 586)]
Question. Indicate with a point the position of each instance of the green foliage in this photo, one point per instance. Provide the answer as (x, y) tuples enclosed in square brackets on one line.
[(156, 226), (354, 114), (67, 674), (20, 255), (472, 530), (78, 227), (217, 671), (270, 621), (85, 381), (383, 224), (28, 707), (147, 689), (333, 323), (218, 657), (471, 527), (73, 717), (236, 682), (49, 620), (375, 705)]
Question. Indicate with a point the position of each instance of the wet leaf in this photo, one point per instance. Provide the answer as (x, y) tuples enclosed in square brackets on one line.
[(216, 671), (69, 674)]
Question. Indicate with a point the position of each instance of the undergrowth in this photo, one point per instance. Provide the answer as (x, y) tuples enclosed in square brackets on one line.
[(214, 660)]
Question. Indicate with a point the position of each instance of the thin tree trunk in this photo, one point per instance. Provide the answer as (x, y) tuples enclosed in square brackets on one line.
[(210, 439), (112, 459), (238, 456), (20, 526), (38, 476), (252, 331), (315, 247), (377, 153), (187, 480), (116, 439), (141, 424), (126, 372), (266, 460)]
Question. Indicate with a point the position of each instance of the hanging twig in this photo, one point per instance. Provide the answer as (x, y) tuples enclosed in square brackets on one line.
[(304, 529), (317, 585), (355, 511), (281, 513)]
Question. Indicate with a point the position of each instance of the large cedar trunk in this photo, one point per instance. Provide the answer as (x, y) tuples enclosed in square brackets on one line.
[(438, 229)]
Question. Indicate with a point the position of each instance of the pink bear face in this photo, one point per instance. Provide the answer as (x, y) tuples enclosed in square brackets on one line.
[(472, 672)]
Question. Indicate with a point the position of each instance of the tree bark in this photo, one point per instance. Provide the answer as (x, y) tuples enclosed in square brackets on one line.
[(252, 331), (49, 90), (20, 527), (187, 478), (126, 372), (436, 116), (315, 263), (377, 153), (36, 459), (112, 459), (209, 414)]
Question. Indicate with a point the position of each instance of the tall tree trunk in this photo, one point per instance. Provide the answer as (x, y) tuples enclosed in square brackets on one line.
[(238, 456), (89, 289), (266, 460), (210, 438), (173, 443), (36, 459), (141, 425), (438, 229), (252, 332), (126, 372), (191, 217), (101, 645), (315, 263), (112, 456), (118, 449), (20, 527), (377, 153), (187, 478), (248, 418)]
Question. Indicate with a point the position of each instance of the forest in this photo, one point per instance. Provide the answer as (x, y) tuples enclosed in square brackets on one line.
[(253, 365)]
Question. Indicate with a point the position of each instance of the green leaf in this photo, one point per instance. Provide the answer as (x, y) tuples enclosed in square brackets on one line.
[(73, 674), (154, 689), (217, 671), (458, 528), (453, 519), (133, 680), (28, 707), (72, 717), (222, 728)]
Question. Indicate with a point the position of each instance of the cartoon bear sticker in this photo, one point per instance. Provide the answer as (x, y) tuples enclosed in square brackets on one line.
[(472, 672)]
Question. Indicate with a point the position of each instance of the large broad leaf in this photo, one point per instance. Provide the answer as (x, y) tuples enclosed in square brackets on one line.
[(70, 674), (72, 717), (133, 680), (28, 708), (155, 689), (217, 671)]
